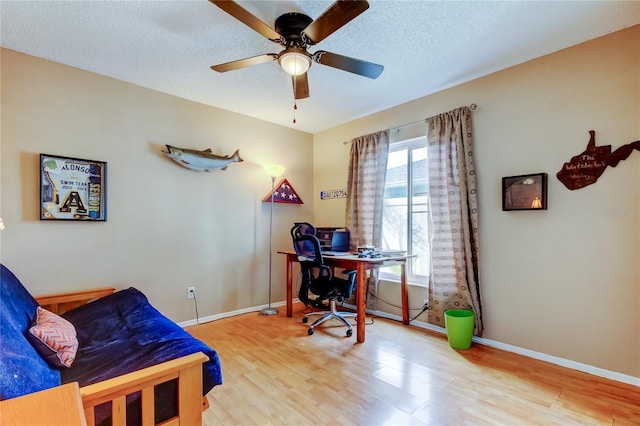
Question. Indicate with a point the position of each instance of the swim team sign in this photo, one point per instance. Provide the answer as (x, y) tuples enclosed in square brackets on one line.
[(72, 189)]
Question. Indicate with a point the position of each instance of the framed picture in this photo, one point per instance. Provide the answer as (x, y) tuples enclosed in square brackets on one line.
[(72, 189), (524, 192)]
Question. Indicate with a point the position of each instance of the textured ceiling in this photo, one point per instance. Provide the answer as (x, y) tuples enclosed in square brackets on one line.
[(425, 46)]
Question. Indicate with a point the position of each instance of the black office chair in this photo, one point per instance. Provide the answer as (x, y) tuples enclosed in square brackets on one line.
[(318, 279)]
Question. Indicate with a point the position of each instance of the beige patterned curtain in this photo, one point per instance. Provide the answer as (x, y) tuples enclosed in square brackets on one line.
[(453, 209), (365, 195)]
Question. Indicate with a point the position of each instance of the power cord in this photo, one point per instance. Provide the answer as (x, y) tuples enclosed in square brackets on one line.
[(195, 301), (424, 308)]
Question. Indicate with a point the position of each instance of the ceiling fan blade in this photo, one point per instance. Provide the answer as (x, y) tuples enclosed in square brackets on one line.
[(246, 62), (300, 86), (340, 13), (244, 16), (346, 63)]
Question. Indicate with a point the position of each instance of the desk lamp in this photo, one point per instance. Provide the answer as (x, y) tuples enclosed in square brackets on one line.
[(273, 170)]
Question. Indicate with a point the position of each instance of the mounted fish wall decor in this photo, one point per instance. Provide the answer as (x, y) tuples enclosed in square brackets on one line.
[(585, 168), (201, 160)]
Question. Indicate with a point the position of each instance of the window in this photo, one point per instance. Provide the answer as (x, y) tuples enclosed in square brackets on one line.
[(406, 198)]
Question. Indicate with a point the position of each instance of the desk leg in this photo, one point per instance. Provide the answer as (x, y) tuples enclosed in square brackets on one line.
[(289, 285), (361, 301), (404, 293)]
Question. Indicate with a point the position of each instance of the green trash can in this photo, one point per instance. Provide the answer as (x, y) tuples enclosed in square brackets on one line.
[(459, 324)]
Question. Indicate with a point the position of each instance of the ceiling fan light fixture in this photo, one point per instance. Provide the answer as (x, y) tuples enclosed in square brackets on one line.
[(294, 61)]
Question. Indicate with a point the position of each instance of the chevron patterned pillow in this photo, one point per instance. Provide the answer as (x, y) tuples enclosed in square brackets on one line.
[(54, 338)]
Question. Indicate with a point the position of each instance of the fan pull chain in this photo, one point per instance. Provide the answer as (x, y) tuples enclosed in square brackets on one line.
[(295, 100)]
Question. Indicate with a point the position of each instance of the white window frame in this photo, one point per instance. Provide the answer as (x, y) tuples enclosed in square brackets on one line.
[(386, 273)]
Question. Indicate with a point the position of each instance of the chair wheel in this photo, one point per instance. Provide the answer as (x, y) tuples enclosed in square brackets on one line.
[(310, 331), (305, 320), (349, 333)]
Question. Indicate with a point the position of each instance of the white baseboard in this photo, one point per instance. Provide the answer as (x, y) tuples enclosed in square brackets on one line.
[(230, 314), (574, 365)]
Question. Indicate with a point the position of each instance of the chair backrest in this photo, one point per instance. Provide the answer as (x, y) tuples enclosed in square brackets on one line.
[(306, 244), (316, 276)]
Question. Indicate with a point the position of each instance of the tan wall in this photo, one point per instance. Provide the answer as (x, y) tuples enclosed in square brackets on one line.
[(565, 282), (168, 227)]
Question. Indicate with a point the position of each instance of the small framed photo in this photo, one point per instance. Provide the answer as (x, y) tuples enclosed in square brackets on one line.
[(524, 192), (72, 189)]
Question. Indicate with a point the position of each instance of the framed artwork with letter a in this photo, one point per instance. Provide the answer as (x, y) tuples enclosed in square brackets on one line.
[(72, 189)]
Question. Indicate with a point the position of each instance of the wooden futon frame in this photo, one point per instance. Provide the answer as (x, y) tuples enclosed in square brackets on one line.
[(187, 370)]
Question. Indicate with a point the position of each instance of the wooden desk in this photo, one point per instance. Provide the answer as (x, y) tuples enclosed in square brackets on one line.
[(361, 265), (61, 405)]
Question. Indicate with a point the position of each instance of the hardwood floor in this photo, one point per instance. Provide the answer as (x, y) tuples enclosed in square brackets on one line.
[(275, 374)]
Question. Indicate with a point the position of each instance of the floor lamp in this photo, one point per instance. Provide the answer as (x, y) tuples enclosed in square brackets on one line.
[(273, 170)]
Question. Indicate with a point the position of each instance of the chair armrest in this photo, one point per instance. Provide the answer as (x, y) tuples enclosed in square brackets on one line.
[(60, 303), (188, 371), (351, 279)]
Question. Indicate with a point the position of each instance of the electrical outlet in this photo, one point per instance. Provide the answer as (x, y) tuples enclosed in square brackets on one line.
[(425, 303), (191, 292)]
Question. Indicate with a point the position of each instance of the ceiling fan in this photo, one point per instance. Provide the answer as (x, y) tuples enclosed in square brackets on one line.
[(296, 32)]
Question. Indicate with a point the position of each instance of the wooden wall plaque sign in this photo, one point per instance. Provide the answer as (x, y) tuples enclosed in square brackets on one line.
[(586, 167)]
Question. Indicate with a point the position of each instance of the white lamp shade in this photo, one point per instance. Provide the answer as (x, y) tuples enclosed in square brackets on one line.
[(294, 63), (274, 170)]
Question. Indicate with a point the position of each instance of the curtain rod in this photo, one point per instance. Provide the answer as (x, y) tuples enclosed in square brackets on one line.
[(472, 107)]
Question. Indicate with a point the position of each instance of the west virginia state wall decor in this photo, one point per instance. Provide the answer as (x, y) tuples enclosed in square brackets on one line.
[(585, 168)]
